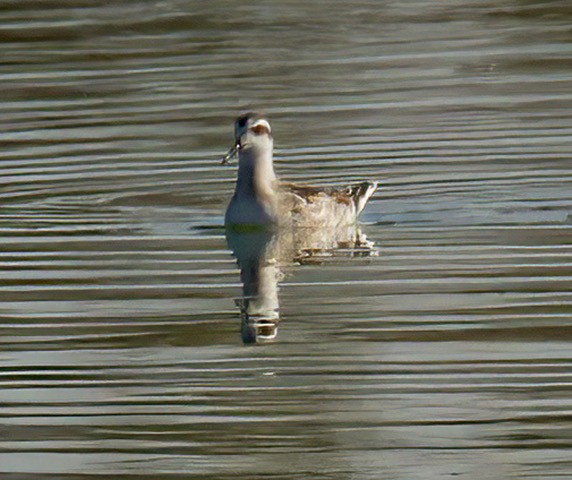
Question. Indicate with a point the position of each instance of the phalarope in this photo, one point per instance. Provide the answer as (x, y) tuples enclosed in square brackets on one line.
[(260, 200)]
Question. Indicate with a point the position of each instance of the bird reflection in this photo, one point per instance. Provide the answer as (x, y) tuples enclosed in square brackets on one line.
[(272, 224), (263, 255), (259, 276)]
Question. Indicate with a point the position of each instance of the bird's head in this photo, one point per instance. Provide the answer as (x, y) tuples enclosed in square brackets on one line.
[(251, 130)]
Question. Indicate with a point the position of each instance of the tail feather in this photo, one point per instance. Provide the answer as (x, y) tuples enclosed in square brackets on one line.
[(361, 193)]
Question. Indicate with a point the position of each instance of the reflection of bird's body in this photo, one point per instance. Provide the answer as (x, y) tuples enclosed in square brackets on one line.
[(320, 222), (260, 200)]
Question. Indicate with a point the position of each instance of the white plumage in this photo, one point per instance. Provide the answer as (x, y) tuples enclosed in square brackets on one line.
[(261, 200)]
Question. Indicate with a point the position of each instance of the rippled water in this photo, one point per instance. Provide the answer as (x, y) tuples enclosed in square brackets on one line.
[(447, 355)]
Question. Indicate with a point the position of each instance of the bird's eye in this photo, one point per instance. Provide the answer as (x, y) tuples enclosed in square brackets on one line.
[(242, 122)]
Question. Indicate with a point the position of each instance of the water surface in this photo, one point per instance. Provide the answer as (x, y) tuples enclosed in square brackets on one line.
[(448, 355)]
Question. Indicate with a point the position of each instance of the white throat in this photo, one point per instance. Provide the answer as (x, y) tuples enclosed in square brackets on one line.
[(254, 200)]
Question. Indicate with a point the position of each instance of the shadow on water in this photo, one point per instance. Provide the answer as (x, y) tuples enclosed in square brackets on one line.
[(263, 255)]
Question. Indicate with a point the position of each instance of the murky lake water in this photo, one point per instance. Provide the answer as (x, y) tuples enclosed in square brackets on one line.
[(447, 355)]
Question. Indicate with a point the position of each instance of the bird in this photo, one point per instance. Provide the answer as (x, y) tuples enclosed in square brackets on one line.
[(262, 201)]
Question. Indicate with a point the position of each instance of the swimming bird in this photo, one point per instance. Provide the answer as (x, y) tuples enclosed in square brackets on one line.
[(260, 200)]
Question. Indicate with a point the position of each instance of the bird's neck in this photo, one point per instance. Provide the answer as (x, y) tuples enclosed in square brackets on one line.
[(256, 177)]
